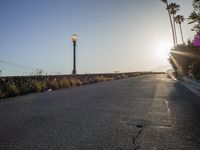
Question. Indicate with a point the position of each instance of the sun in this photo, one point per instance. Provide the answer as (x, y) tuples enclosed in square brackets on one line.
[(162, 50)]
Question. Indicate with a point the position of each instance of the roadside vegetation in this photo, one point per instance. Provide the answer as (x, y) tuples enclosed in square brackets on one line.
[(14, 86), (21, 85), (185, 57)]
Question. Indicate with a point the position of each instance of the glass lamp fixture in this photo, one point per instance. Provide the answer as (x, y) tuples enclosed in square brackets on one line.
[(74, 38)]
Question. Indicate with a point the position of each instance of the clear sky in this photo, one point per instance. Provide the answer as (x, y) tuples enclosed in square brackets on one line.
[(113, 35)]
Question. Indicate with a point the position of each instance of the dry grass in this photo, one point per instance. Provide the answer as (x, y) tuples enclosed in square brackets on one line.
[(11, 89), (38, 86), (21, 86), (101, 78), (121, 76)]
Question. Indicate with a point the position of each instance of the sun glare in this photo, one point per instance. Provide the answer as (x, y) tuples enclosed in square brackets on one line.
[(162, 50)]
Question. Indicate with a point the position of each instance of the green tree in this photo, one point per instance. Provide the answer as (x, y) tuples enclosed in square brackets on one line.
[(195, 19), (179, 20), (195, 69), (195, 16), (173, 9), (196, 5), (170, 19)]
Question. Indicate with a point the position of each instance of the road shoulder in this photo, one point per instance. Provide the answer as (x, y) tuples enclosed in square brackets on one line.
[(193, 86)]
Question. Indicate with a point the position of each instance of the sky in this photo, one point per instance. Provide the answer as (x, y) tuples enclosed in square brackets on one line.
[(113, 35)]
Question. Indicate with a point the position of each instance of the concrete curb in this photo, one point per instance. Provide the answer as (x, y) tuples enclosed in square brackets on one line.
[(192, 82), (191, 88), (191, 85)]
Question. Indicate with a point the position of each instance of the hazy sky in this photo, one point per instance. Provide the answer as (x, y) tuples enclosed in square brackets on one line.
[(114, 35)]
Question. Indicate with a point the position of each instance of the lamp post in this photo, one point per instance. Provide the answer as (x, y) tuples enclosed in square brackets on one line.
[(74, 40)]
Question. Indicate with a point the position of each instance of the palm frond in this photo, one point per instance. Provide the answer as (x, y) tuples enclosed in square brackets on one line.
[(173, 8), (194, 17), (164, 1)]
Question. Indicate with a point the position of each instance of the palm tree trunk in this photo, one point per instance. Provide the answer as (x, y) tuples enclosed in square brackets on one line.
[(175, 35), (181, 33), (170, 18)]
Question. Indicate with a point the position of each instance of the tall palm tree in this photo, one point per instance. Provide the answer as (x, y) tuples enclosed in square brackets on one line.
[(195, 18), (196, 5), (173, 8), (170, 19), (179, 20)]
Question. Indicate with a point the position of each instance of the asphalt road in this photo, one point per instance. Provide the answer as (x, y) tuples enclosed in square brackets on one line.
[(142, 113)]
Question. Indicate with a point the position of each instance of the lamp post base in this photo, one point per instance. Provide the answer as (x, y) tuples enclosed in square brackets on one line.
[(74, 72)]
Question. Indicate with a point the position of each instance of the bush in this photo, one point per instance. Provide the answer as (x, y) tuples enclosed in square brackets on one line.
[(38, 86), (11, 89), (74, 82), (101, 78), (195, 69), (25, 88), (124, 76), (1, 94), (64, 83), (13, 86), (121, 76)]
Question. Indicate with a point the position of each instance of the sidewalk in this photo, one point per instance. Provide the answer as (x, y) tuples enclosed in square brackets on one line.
[(192, 84)]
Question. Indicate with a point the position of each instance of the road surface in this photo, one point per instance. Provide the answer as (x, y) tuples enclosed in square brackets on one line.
[(151, 112)]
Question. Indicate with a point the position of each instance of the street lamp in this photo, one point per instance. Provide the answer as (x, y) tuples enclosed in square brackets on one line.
[(74, 40)]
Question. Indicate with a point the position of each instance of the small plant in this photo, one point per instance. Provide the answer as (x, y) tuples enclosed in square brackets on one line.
[(1, 94), (11, 89), (38, 86), (101, 78), (64, 83), (74, 82), (121, 76), (53, 84), (124, 76)]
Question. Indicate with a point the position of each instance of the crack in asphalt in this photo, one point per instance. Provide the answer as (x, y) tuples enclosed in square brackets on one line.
[(134, 138)]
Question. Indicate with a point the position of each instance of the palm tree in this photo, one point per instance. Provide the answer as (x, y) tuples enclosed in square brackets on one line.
[(195, 18), (173, 8), (170, 19), (179, 20), (196, 5)]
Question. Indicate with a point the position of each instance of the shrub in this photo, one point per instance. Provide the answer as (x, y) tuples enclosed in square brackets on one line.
[(195, 69), (121, 76), (101, 78), (74, 82), (54, 84), (38, 86), (11, 89), (26, 88), (124, 76), (14, 86), (64, 83), (1, 94)]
